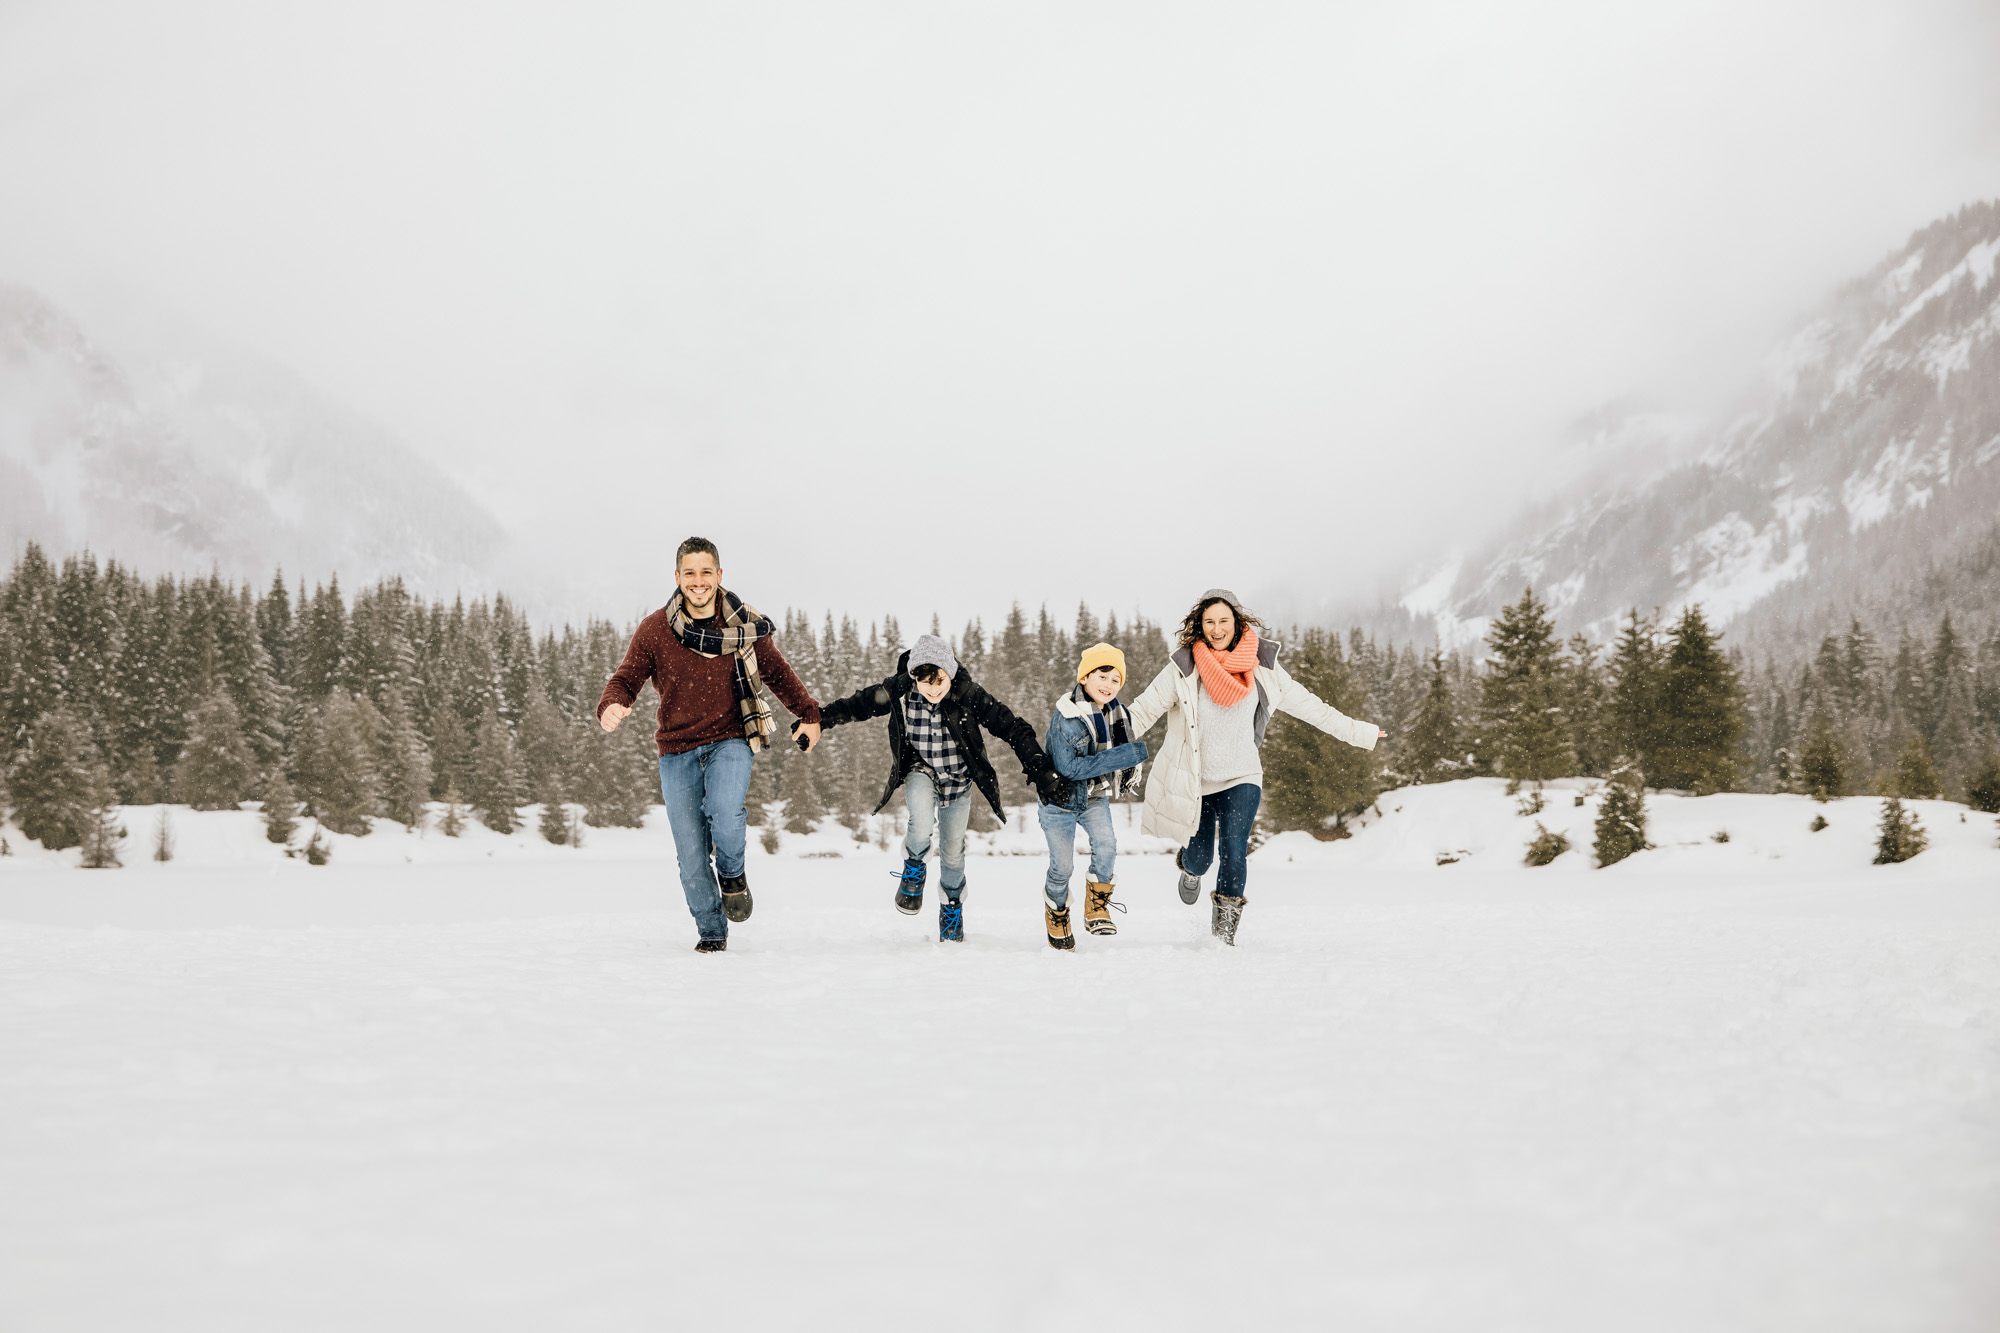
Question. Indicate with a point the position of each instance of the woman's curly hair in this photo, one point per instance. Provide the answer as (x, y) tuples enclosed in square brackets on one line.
[(1190, 631)]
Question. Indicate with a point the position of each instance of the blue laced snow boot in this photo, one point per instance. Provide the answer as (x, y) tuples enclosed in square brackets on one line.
[(951, 921), (910, 892)]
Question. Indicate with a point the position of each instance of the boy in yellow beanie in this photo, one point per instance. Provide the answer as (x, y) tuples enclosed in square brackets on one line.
[(1090, 742)]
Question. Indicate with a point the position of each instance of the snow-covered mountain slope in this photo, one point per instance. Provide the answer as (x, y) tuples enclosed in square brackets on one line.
[(1869, 465), (196, 461)]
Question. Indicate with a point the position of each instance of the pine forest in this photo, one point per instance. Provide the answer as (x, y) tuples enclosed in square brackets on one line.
[(121, 690)]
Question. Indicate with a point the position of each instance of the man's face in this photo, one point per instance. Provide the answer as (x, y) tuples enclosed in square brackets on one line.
[(934, 687), (698, 576), (1218, 626), (1103, 684)]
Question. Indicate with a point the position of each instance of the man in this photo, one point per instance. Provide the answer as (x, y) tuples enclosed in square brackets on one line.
[(706, 652)]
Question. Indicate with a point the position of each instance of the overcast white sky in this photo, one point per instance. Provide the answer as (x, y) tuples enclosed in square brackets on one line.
[(935, 305)]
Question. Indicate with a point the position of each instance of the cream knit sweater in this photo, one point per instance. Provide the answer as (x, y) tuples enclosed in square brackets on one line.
[(1228, 743)]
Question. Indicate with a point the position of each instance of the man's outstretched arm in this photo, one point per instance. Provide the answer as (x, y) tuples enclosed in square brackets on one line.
[(791, 691), (626, 682)]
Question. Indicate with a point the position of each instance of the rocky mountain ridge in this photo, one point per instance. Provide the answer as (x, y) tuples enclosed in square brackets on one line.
[(199, 461), (1863, 480)]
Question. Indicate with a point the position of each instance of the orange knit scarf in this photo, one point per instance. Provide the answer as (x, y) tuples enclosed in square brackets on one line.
[(1229, 676)]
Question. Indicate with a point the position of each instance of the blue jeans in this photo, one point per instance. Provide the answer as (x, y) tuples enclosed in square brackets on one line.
[(920, 794), (1059, 827), (705, 789), (1233, 810)]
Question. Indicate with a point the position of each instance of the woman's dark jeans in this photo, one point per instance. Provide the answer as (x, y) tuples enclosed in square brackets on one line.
[(1234, 809)]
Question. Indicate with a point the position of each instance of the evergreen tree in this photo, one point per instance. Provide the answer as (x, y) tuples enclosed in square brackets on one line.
[(216, 771), (1312, 781), (1546, 846), (1901, 836), (1435, 752), (101, 832), (36, 674), (1637, 665), (51, 782), (451, 820), (336, 771), (554, 822), (1983, 791), (614, 791), (1586, 705), (281, 808), (1823, 766), (496, 774), (1522, 693), (402, 761), (1916, 777), (142, 778), (163, 837), (1700, 712), (803, 807), (544, 740), (1621, 814)]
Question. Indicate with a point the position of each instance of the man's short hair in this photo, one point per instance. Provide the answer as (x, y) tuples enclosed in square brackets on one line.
[(927, 672), (694, 546)]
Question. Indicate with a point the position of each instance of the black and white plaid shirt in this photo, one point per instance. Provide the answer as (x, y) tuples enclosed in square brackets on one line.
[(924, 728)]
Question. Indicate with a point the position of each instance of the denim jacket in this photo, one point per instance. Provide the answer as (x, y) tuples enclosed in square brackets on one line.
[(1068, 745)]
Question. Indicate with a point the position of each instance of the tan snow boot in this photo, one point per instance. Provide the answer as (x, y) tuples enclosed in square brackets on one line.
[(1097, 907), (1058, 922)]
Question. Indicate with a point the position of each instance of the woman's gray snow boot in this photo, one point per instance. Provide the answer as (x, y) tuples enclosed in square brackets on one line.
[(1190, 884), (1228, 911)]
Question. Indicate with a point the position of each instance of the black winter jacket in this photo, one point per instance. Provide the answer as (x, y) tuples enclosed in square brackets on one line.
[(965, 709)]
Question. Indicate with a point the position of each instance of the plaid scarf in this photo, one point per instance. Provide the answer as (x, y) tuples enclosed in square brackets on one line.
[(924, 728), (1107, 728), (738, 631)]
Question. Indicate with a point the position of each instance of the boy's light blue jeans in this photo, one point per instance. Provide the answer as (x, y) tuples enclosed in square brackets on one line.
[(920, 794), (705, 789), (1059, 827)]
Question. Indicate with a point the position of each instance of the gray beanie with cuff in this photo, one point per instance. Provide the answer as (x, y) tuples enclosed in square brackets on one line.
[(930, 650)]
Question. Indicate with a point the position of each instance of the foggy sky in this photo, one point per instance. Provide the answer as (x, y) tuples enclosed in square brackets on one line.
[(921, 307)]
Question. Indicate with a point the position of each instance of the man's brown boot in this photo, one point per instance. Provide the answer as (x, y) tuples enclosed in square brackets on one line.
[(1097, 907), (1058, 922)]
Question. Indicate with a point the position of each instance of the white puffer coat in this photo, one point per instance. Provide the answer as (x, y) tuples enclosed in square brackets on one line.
[(1173, 784)]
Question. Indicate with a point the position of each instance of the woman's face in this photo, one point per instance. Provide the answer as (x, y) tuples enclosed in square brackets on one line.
[(1218, 626)]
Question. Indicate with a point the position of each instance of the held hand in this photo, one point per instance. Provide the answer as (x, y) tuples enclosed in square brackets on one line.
[(612, 715), (1051, 787), (1381, 735), (807, 735)]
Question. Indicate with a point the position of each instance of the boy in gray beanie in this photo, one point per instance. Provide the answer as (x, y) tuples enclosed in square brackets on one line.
[(937, 746)]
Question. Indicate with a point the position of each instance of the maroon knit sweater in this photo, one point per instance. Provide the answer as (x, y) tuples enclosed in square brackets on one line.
[(697, 694)]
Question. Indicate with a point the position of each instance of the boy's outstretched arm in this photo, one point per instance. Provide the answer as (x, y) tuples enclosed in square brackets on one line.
[(1001, 721), (1082, 768), (866, 702)]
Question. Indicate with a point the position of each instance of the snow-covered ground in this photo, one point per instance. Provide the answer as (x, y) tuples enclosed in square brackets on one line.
[(485, 1083)]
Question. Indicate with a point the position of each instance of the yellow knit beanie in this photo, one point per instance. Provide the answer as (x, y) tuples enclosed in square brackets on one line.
[(1100, 655)]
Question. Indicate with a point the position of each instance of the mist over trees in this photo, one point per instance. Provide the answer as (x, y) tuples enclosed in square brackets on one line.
[(352, 712)]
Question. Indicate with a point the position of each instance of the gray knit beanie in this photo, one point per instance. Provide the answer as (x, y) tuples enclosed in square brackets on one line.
[(930, 649), (1225, 595)]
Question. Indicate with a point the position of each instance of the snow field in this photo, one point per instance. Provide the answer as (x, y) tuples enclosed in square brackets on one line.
[(1721, 1086)]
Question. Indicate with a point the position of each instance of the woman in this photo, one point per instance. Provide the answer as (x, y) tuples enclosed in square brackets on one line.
[(1219, 691)]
